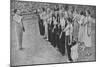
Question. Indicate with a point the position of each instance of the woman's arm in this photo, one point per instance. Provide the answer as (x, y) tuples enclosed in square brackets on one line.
[(22, 24)]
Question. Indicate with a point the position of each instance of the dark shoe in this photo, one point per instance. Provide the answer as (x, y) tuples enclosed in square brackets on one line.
[(21, 48), (45, 38)]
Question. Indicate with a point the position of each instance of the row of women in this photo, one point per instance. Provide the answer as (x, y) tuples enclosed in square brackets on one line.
[(66, 29)]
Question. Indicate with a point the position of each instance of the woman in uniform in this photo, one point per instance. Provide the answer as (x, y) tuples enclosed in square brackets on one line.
[(19, 27), (68, 38), (62, 35)]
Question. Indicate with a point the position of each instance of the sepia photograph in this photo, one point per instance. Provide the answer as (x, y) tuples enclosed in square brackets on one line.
[(44, 33)]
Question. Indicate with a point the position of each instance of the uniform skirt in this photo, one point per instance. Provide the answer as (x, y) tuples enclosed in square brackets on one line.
[(62, 44), (41, 27), (19, 34)]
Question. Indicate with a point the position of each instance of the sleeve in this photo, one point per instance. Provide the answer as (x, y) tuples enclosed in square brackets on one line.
[(71, 28), (15, 18), (66, 28)]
